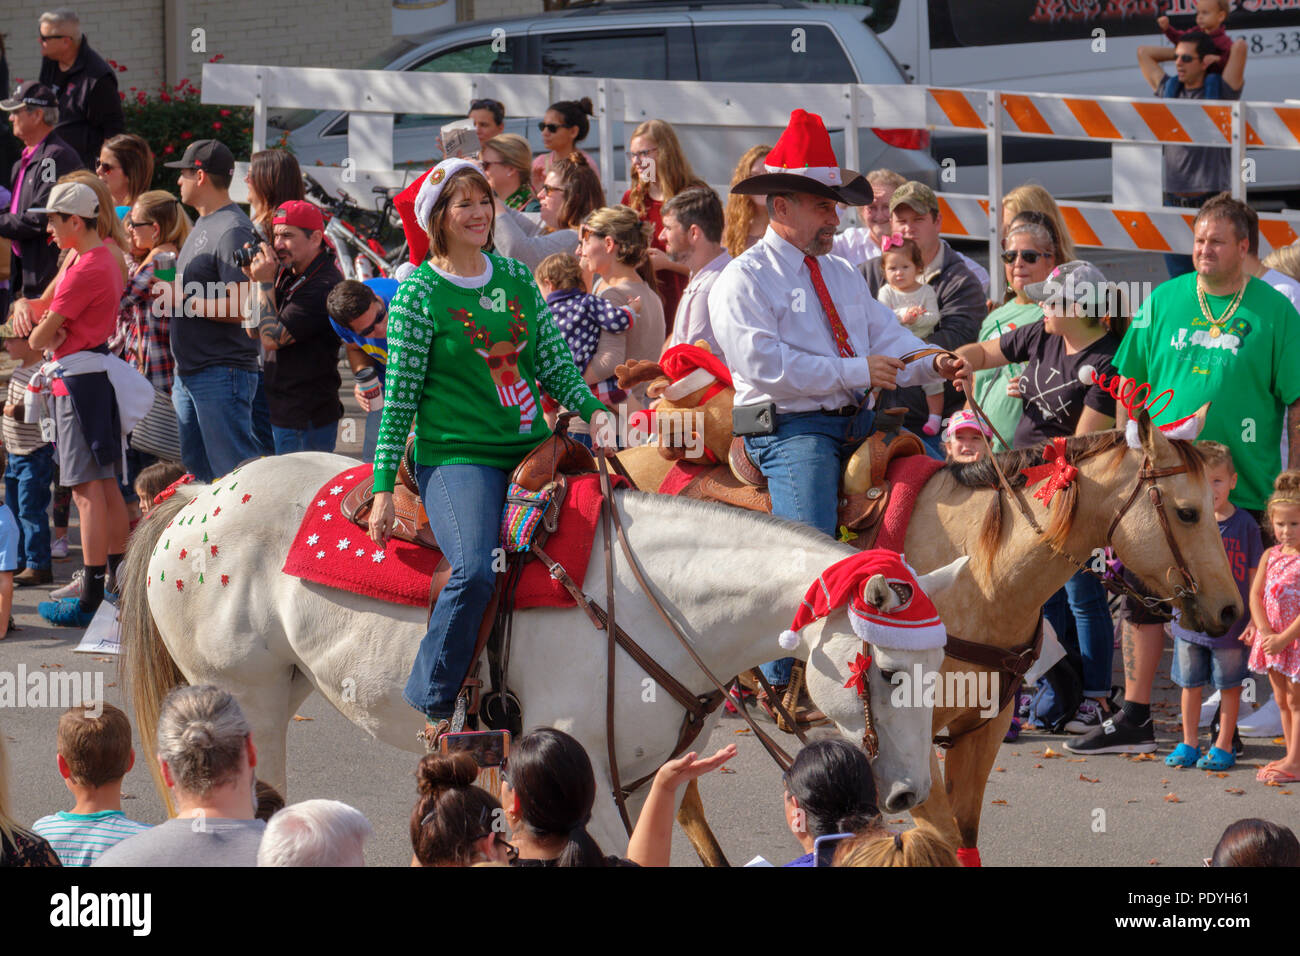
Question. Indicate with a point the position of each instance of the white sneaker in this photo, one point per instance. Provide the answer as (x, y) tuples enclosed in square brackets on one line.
[(72, 589), (59, 549), (1265, 722)]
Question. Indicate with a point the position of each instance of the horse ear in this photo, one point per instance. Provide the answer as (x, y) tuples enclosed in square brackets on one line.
[(1149, 437), (1202, 413), (940, 579)]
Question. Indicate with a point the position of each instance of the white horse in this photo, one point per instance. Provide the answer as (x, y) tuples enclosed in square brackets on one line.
[(205, 601)]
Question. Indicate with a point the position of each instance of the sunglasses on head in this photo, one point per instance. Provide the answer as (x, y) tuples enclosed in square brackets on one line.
[(550, 127), (1029, 255)]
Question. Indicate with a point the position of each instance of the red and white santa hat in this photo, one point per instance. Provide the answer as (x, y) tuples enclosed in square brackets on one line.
[(914, 626), (415, 202), (804, 161), (691, 368)]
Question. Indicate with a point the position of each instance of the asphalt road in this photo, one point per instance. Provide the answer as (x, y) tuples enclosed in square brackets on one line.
[(1040, 808)]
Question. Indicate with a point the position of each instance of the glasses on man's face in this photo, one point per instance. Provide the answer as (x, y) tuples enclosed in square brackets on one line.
[(46, 37), (549, 127), (1029, 255), (103, 167), (1186, 58)]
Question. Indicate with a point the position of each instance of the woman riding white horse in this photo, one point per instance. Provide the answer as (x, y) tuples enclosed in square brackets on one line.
[(469, 339)]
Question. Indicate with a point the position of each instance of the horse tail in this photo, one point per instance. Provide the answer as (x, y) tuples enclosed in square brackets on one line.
[(147, 669)]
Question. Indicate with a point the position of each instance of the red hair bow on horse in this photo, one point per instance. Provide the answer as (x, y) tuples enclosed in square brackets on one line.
[(1058, 472), (171, 489), (894, 241)]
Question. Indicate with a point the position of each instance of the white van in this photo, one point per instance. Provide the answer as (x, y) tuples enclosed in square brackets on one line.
[(1049, 46)]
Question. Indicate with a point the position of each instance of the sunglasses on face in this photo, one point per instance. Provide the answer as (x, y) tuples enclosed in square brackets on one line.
[(132, 224), (1186, 58), (1029, 255), (103, 167), (379, 317), (53, 36), (547, 189), (549, 127)]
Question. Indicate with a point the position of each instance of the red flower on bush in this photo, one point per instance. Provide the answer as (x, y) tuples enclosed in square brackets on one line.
[(165, 97), (214, 59), (216, 126), (186, 134), (141, 98), (169, 148), (225, 112), (121, 95)]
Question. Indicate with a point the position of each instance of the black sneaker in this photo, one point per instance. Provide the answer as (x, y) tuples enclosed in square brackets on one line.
[(1238, 748), (1116, 735)]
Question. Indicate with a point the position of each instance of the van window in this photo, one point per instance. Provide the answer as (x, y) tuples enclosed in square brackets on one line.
[(767, 53), (473, 58), (958, 23), (626, 54)]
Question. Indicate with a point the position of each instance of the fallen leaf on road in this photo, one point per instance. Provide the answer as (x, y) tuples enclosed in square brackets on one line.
[(1038, 766), (1215, 773), (51, 665), (999, 769), (1089, 779), (1284, 791), (1141, 756), (103, 660), (1165, 781), (725, 770), (899, 820), (1236, 790), (1172, 798), (1076, 759), (1152, 862), (1049, 753), (301, 717), (1133, 800), (1015, 753), (1000, 803), (114, 684), (744, 730), (1279, 740)]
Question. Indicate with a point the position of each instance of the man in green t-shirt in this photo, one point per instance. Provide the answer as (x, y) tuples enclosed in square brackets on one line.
[(1216, 335)]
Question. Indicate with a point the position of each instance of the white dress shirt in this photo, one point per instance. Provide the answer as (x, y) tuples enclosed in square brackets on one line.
[(777, 338), (692, 321), (856, 245)]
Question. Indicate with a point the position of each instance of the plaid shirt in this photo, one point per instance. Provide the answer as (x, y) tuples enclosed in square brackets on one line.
[(148, 346)]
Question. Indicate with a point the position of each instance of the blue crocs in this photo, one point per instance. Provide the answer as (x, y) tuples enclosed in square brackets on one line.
[(65, 613), (1184, 755), (1217, 759)]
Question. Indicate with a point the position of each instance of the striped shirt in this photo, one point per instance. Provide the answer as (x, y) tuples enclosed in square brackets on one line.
[(81, 838), (20, 438)]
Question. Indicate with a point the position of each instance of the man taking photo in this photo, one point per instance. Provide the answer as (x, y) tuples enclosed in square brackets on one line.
[(302, 375)]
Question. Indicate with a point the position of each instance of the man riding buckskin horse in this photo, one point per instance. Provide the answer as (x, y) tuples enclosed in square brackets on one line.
[(804, 337)]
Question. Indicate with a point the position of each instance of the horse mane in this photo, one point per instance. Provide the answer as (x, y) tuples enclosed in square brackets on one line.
[(981, 474)]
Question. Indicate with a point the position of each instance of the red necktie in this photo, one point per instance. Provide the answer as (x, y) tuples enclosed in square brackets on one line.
[(841, 334)]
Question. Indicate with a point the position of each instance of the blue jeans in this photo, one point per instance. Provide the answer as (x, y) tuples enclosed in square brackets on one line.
[(305, 439), (27, 492), (372, 435), (214, 407), (263, 433), (1081, 618), (802, 461), (464, 503)]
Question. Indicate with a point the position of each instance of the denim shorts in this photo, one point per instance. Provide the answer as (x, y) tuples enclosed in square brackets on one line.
[(1196, 665)]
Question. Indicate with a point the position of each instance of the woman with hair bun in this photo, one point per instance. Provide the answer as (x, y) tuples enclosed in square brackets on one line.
[(453, 822), (564, 125), (614, 245), (829, 789)]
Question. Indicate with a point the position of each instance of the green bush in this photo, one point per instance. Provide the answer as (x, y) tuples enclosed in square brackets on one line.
[(171, 117)]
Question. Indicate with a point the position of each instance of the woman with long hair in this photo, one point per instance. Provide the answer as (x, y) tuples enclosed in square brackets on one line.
[(614, 246), (471, 376), (453, 822), (569, 194), (746, 215), (660, 170), (273, 178), (1034, 198), (125, 165), (565, 124)]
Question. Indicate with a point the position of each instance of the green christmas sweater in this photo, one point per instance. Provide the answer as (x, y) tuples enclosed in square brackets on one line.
[(465, 365)]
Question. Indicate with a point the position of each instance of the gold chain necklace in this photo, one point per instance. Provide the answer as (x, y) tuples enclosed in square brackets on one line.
[(1216, 325)]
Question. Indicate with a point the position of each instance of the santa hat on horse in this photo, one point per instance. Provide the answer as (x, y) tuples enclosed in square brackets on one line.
[(691, 368), (802, 161), (913, 625)]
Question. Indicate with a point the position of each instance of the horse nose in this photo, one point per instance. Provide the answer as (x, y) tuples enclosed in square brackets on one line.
[(1228, 616), (901, 797)]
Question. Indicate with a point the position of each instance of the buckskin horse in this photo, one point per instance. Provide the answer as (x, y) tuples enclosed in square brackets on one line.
[(725, 576)]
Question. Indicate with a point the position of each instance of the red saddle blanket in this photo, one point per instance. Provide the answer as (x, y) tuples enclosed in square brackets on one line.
[(329, 549)]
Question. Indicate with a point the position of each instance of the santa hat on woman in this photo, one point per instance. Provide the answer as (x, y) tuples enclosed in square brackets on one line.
[(802, 161), (415, 202), (915, 625)]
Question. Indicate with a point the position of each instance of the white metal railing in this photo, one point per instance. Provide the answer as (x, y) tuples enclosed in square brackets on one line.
[(1137, 127)]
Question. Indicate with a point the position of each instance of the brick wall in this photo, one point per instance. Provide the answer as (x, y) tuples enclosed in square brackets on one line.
[(337, 33)]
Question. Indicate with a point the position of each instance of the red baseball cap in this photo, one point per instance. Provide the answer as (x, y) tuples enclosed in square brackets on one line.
[(300, 213)]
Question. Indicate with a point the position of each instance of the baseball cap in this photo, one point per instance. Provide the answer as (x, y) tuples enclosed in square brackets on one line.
[(918, 196), (962, 421), (31, 93), (72, 199), (7, 331), (300, 213), (209, 155), (1076, 283)]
